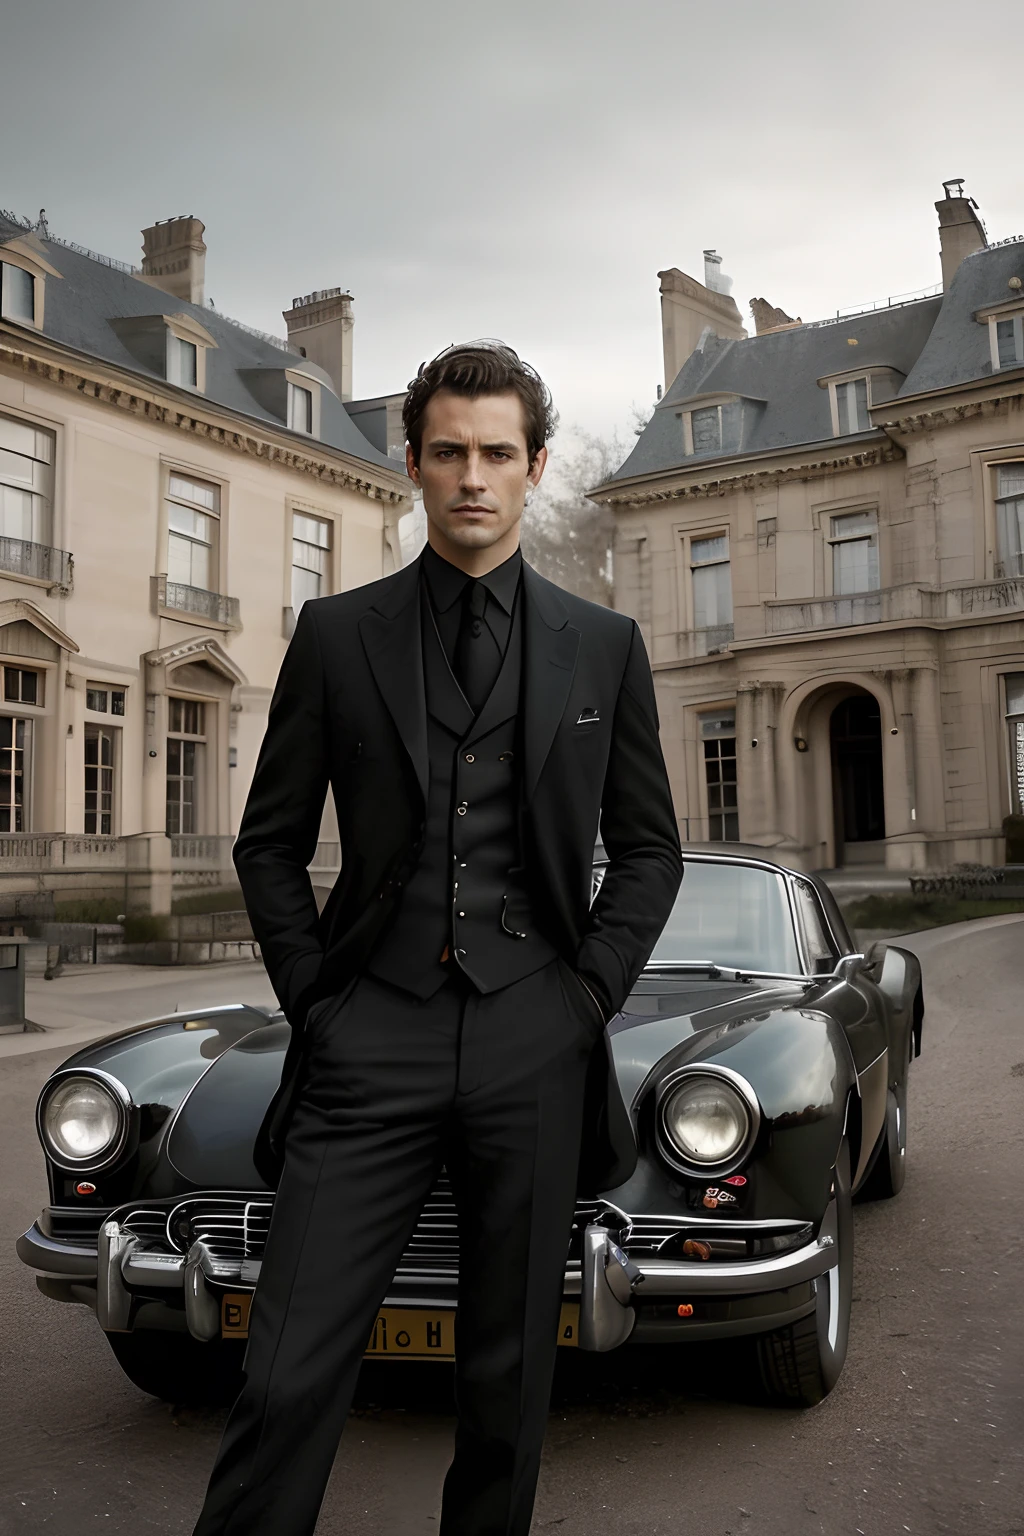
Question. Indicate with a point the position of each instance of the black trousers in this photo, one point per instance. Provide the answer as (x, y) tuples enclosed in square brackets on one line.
[(492, 1087)]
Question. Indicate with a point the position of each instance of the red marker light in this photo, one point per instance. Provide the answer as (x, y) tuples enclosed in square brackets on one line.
[(85, 1188), (737, 1179), (685, 1309)]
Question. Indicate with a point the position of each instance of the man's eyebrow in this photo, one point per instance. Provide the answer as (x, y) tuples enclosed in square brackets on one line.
[(446, 443)]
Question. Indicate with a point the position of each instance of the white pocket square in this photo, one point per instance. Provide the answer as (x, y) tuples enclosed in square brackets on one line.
[(588, 717)]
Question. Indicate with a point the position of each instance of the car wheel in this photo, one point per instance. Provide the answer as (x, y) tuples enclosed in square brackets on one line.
[(890, 1170), (179, 1369), (800, 1364)]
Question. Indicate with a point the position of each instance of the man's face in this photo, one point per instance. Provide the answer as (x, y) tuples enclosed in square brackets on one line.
[(474, 472)]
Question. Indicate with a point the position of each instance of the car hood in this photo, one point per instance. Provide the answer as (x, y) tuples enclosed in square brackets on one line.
[(686, 1017)]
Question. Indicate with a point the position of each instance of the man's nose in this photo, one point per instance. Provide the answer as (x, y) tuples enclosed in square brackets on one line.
[(473, 477)]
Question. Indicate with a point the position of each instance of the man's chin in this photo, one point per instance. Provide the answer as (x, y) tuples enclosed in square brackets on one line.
[(474, 535)]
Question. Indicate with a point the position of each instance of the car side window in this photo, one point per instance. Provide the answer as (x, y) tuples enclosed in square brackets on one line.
[(821, 950)]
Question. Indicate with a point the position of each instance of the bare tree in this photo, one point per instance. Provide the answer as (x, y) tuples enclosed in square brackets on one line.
[(567, 536)]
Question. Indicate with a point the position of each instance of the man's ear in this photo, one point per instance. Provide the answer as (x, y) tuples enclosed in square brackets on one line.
[(536, 469), (411, 467)]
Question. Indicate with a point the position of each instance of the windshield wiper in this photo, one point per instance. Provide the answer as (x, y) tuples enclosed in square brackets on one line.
[(715, 971)]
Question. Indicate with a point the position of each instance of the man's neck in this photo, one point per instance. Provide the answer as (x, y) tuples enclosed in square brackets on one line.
[(475, 562)]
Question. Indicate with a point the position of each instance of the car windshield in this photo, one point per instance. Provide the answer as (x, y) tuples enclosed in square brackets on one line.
[(732, 914)]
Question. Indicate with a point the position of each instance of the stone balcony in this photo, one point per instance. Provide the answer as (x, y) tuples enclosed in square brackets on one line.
[(893, 604), (174, 600), (39, 562)]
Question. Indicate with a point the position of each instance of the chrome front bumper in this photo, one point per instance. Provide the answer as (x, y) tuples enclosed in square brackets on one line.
[(607, 1283)]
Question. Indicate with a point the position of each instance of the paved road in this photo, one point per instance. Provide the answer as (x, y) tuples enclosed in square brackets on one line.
[(923, 1434)]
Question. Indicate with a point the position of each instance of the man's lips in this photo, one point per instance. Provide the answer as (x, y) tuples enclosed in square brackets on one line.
[(471, 507)]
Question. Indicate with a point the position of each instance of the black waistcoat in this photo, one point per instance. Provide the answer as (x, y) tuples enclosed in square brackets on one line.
[(468, 891)]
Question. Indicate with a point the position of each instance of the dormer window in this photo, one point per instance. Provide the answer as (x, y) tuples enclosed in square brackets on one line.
[(300, 408), (718, 423), (851, 407), (182, 362), (1007, 333), (17, 294)]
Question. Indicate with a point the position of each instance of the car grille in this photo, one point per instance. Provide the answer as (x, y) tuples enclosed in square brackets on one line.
[(234, 1229)]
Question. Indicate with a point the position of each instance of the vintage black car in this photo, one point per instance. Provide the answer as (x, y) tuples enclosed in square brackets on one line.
[(765, 1065)]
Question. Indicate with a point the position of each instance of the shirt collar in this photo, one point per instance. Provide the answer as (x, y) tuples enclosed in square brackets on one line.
[(446, 583)]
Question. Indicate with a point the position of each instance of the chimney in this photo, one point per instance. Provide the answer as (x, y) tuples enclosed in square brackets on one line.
[(689, 308), (320, 328), (960, 228), (174, 257)]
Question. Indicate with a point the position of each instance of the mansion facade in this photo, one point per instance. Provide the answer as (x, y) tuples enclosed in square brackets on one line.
[(173, 486), (821, 534)]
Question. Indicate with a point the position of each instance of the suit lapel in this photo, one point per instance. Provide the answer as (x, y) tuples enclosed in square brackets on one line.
[(550, 647), (390, 633)]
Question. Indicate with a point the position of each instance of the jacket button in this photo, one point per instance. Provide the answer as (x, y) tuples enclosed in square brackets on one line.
[(470, 758), (462, 808), (462, 914)]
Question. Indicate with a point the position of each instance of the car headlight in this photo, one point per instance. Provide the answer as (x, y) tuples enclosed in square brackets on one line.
[(709, 1118), (83, 1120)]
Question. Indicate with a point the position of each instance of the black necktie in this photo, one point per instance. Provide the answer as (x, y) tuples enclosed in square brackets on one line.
[(477, 658)]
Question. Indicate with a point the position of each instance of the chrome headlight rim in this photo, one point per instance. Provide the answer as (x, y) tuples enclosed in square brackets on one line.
[(114, 1150), (673, 1154)]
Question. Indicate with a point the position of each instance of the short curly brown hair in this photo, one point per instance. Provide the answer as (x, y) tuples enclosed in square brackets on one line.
[(481, 368)]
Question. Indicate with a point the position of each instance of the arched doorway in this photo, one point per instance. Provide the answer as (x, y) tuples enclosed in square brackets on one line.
[(855, 730)]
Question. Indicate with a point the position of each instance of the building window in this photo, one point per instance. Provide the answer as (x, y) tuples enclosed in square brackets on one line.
[(17, 293), (22, 686), (26, 481), (311, 552), (186, 746), (182, 361), (300, 408), (15, 744), (852, 407), (1007, 336), (1010, 520), (854, 541), (706, 427), (718, 733), (104, 700), (1015, 725), (711, 582), (100, 747), (193, 509)]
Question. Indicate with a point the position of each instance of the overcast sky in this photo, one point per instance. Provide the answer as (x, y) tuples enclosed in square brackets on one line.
[(520, 170)]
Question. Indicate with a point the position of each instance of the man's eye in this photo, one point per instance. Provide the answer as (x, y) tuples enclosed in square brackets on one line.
[(446, 453), (498, 454)]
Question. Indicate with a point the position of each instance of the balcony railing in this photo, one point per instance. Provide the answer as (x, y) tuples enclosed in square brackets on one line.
[(891, 604), (40, 561), (214, 607), (194, 851)]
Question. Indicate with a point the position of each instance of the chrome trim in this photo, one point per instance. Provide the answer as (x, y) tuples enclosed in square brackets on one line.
[(143, 1266), (671, 1153), (113, 1298), (202, 1308), (122, 1098), (662, 1277), (607, 1317)]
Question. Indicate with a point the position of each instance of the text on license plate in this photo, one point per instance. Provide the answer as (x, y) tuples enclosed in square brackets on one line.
[(399, 1333)]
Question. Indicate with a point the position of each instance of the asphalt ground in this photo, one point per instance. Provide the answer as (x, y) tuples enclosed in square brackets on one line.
[(924, 1433)]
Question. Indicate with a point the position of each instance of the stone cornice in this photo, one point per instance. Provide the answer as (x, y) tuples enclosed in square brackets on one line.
[(948, 413), (750, 479), (133, 397)]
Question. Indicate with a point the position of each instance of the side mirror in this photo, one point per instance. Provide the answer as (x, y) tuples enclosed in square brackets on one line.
[(849, 967)]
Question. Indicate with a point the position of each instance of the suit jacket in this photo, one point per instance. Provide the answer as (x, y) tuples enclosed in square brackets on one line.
[(349, 713)]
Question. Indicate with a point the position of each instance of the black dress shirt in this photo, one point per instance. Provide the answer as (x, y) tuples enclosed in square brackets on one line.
[(446, 585)]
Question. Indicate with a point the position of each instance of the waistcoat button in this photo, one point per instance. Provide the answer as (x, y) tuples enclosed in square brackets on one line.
[(470, 758), (461, 808)]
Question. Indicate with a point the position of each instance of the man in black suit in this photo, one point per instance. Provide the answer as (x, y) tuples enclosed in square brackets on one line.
[(476, 725)]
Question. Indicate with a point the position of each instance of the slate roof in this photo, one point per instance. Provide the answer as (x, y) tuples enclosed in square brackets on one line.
[(89, 295), (935, 342)]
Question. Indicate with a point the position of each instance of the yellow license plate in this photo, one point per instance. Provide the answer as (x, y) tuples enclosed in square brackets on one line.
[(399, 1333)]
